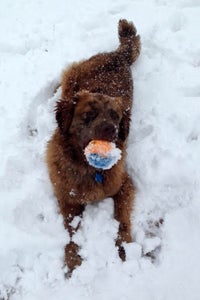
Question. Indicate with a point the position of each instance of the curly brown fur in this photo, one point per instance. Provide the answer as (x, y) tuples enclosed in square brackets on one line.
[(96, 104)]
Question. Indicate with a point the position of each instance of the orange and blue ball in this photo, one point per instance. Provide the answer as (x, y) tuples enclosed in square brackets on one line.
[(102, 154)]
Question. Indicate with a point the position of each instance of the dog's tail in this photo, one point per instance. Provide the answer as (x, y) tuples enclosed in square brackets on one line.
[(130, 45)]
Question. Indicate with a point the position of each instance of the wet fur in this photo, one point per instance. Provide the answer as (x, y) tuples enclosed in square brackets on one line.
[(104, 81)]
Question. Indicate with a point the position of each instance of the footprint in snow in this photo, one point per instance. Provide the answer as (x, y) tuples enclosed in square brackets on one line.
[(39, 120), (150, 238)]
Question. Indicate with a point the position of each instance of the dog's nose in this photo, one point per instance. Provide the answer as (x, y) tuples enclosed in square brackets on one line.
[(106, 131)]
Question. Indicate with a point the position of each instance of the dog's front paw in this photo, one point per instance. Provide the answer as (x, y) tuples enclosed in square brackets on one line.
[(72, 258), (121, 250)]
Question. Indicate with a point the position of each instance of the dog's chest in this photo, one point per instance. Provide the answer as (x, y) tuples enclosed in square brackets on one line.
[(95, 187)]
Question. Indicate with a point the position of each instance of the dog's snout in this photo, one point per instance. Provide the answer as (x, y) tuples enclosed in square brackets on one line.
[(106, 131)]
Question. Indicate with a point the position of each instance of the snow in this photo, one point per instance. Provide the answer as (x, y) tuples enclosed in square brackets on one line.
[(38, 39)]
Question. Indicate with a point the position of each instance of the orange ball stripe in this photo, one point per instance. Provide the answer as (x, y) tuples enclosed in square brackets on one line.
[(99, 147)]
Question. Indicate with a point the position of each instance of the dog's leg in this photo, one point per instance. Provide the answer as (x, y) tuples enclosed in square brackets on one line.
[(72, 258), (123, 202)]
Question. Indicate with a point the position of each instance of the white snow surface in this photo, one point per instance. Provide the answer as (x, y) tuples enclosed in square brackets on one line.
[(38, 39)]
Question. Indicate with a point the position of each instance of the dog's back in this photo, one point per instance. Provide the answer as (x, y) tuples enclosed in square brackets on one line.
[(106, 73)]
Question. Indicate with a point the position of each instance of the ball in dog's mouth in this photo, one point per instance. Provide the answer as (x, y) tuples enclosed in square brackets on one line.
[(102, 154)]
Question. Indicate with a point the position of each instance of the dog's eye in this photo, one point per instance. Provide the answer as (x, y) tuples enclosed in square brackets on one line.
[(114, 115), (89, 116)]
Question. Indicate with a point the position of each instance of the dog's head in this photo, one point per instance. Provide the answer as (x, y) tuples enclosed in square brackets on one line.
[(90, 116)]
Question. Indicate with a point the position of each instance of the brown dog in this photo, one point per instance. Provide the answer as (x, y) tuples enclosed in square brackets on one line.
[(96, 105)]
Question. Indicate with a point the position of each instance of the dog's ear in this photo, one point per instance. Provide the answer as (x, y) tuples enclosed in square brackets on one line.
[(64, 112), (124, 126)]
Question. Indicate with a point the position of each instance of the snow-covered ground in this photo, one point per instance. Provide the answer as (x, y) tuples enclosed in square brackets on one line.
[(38, 39)]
